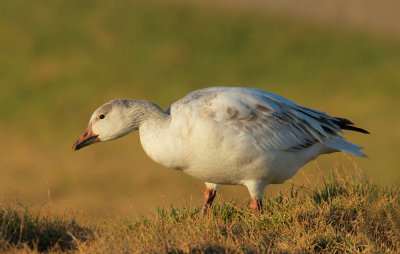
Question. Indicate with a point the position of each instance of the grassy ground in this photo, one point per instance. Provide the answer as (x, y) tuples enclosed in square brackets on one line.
[(344, 215), (62, 59)]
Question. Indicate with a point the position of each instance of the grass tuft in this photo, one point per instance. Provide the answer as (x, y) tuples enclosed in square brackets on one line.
[(20, 228)]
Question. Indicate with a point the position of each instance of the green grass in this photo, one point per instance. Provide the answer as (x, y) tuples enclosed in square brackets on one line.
[(344, 215)]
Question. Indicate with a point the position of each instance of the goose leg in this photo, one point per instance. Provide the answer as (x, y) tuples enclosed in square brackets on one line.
[(256, 190), (209, 195), (256, 205)]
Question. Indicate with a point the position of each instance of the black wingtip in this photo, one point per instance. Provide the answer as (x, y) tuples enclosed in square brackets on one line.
[(346, 124), (352, 128)]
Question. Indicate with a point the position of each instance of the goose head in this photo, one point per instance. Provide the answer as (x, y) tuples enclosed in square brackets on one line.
[(110, 121)]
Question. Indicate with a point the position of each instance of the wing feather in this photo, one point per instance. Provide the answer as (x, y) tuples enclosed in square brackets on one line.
[(274, 122)]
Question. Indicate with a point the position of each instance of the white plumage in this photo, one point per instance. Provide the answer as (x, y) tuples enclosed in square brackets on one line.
[(226, 135)]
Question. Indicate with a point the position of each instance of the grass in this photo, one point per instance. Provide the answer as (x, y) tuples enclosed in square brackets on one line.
[(343, 215), (22, 229)]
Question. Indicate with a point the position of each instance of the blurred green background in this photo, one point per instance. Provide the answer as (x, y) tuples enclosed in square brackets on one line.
[(60, 60)]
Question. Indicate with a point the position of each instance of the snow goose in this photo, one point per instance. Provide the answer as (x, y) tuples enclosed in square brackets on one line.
[(225, 135)]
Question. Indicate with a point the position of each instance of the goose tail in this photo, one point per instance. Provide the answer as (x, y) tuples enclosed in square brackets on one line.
[(345, 146)]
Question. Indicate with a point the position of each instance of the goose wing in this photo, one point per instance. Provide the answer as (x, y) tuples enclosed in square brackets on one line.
[(274, 122)]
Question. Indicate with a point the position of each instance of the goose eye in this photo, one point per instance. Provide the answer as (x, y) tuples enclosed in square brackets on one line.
[(102, 116)]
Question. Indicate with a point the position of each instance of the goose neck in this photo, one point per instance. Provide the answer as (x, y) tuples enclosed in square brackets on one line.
[(149, 113)]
